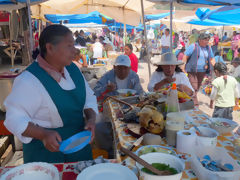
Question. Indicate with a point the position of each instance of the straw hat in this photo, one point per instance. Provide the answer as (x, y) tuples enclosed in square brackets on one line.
[(166, 59)]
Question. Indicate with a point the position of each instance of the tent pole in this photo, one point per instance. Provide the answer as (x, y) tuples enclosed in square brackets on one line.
[(11, 39), (124, 35), (171, 28), (221, 52), (145, 36), (30, 28)]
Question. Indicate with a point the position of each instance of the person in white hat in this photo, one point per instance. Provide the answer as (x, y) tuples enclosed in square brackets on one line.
[(168, 72), (120, 77)]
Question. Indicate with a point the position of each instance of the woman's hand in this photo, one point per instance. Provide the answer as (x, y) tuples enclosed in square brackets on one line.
[(167, 80), (184, 88), (91, 118), (91, 127), (51, 140)]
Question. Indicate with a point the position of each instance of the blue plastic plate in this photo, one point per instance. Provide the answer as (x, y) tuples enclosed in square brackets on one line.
[(76, 142)]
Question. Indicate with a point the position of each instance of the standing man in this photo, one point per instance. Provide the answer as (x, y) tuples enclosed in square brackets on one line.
[(81, 39), (165, 42), (198, 58)]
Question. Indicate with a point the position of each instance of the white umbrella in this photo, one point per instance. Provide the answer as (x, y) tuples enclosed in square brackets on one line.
[(124, 11)]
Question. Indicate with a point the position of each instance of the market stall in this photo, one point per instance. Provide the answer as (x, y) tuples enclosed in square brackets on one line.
[(124, 136)]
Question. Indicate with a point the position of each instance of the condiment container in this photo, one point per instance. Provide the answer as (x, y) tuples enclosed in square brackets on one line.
[(172, 127)]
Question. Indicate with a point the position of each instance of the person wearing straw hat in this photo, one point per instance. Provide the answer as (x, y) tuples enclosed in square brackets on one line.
[(167, 72)]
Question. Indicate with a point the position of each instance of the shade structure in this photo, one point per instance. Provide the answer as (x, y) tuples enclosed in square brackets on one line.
[(9, 5), (208, 22), (226, 14), (212, 2), (124, 11), (93, 17), (156, 16), (201, 2)]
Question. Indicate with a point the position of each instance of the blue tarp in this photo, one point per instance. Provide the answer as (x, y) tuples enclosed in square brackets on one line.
[(208, 22), (93, 17), (156, 16), (231, 16), (213, 2), (11, 2)]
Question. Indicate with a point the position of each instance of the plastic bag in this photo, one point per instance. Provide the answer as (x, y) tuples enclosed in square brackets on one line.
[(230, 55)]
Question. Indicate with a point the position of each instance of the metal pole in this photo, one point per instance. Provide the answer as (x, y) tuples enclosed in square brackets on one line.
[(171, 29), (145, 36), (11, 38), (30, 28)]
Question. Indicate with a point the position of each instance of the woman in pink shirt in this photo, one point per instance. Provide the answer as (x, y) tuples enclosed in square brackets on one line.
[(134, 60)]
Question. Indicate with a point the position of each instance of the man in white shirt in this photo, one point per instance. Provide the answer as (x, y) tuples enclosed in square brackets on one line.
[(165, 42)]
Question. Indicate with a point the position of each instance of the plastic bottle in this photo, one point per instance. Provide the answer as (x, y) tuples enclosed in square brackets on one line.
[(172, 99)]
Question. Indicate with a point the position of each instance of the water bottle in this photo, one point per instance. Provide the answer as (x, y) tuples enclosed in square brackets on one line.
[(172, 99)]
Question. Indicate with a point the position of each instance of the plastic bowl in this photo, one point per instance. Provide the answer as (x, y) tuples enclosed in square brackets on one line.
[(35, 171), (125, 92), (209, 137), (156, 157), (223, 125)]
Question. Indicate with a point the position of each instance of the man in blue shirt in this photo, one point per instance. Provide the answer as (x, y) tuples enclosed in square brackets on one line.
[(198, 59)]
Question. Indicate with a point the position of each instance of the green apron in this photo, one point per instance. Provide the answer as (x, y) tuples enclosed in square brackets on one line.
[(70, 104)]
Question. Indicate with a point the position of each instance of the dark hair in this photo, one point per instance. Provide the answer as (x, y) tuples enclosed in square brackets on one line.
[(217, 53), (168, 30), (159, 69), (222, 69), (129, 46), (52, 34), (183, 49), (81, 31)]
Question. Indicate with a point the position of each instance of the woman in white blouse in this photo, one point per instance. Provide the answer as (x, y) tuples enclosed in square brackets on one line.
[(48, 101), (168, 72)]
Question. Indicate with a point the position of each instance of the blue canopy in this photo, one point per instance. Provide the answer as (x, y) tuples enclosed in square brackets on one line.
[(208, 22), (93, 17), (228, 14), (212, 2), (156, 16), (17, 1)]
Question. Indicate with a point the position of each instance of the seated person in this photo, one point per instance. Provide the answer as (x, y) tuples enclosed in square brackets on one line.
[(80, 59), (120, 77), (167, 73)]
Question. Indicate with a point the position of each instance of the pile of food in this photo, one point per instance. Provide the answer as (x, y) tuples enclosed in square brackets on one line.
[(167, 170), (151, 119)]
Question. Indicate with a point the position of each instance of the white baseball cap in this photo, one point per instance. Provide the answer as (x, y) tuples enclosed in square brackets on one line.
[(123, 60)]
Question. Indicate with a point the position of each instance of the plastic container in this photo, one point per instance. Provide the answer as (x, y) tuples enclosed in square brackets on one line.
[(156, 157), (176, 116), (223, 125), (172, 100), (217, 154), (209, 137), (172, 127)]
